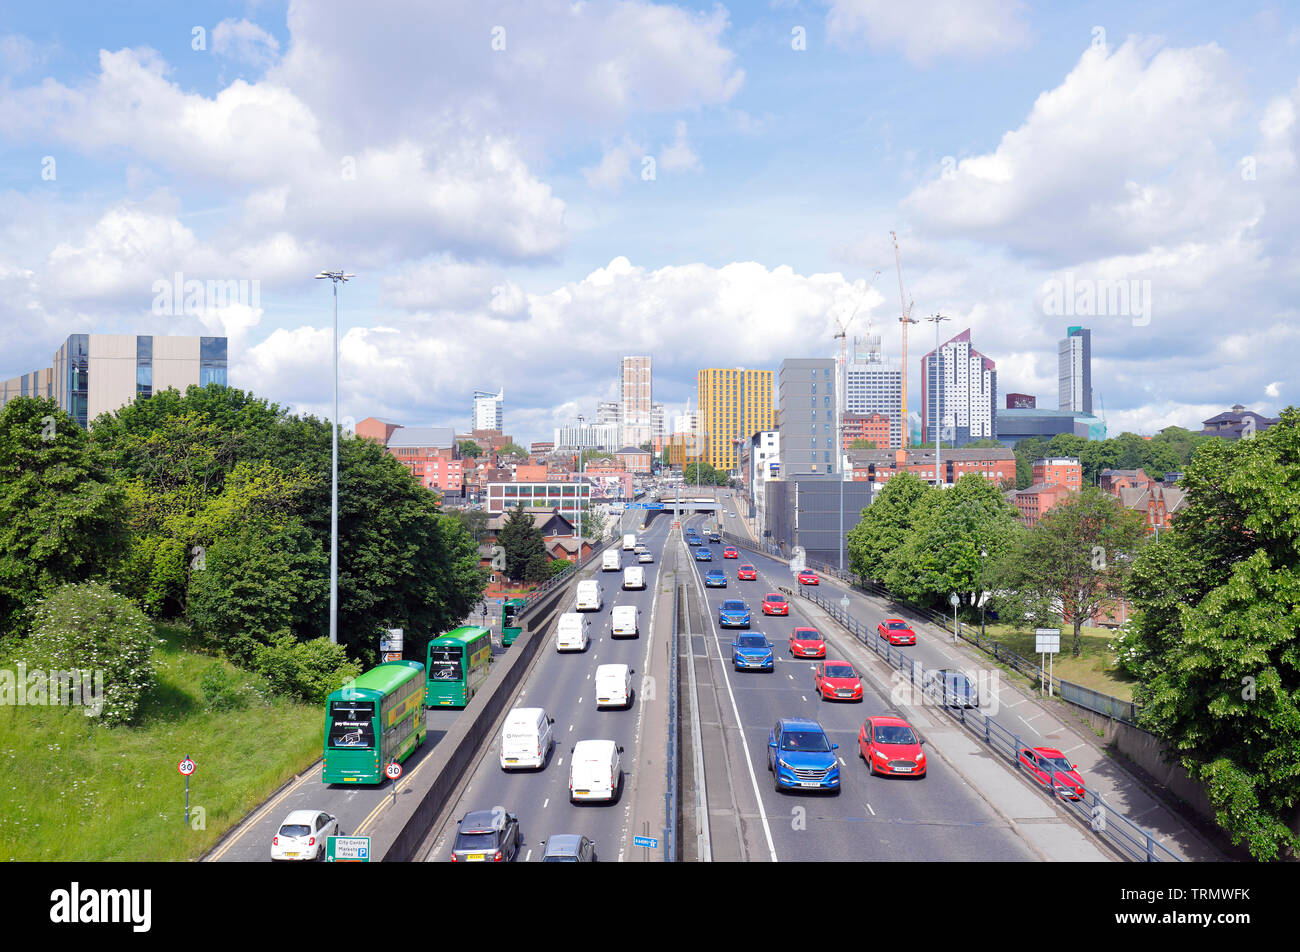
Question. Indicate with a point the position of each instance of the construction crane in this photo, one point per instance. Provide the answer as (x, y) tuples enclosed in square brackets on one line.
[(843, 337), (905, 320)]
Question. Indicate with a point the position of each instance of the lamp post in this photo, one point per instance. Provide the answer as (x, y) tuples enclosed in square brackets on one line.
[(938, 361), (842, 453), (335, 277), (984, 596), (582, 465)]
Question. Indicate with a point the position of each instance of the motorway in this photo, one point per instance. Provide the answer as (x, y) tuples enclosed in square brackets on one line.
[(935, 818), (563, 685)]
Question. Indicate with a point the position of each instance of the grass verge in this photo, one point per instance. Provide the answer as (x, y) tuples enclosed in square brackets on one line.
[(75, 790)]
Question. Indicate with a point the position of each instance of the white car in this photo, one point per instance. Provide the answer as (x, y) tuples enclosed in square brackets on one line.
[(302, 835)]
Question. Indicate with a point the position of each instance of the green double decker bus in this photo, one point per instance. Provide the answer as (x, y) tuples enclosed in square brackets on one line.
[(458, 666), (510, 627), (374, 720)]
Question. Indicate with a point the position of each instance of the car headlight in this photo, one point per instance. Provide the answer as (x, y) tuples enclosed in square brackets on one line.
[(881, 755)]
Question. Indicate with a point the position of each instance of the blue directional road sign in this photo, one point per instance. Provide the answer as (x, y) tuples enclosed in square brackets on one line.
[(644, 505), (650, 841)]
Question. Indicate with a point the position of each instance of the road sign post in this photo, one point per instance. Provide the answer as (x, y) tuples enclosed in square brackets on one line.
[(347, 849), (186, 767), (392, 772), (1047, 641), (954, 600)]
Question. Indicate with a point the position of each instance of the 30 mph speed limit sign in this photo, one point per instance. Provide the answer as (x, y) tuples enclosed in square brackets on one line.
[(393, 771), (186, 767)]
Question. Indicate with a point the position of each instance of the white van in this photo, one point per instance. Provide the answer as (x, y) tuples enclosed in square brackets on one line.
[(623, 621), (634, 577), (629, 542), (588, 596), (611, 561), (573, 633), (613, 685), (595, 771), (526, 738)]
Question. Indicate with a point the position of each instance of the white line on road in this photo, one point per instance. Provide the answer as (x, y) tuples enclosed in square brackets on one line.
[(546, 803), (528, 856), (873, 812)]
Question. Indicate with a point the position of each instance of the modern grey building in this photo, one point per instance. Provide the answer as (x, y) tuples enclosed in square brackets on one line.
[(1074, 379), (808, 416), (1020, 424), (101, 373), (805, 511)]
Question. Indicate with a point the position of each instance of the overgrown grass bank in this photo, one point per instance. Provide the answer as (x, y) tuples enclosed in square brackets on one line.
[(1094, 668), (73, 789)]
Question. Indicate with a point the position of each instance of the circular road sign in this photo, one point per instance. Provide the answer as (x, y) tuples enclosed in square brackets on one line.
[(393, 770), (954, 600), (186, 767)]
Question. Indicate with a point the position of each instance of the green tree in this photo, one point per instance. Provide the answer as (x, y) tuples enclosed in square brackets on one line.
[(513, 449), (1028, 450), (1215, 634), (885, 525), (1076, 559), (62, 515), (521, 540), (470, 449), (593, 522), (474, 521), (862, 445), (941, 554)]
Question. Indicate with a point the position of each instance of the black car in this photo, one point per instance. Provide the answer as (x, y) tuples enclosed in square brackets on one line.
[(714, 537), (486, 836)]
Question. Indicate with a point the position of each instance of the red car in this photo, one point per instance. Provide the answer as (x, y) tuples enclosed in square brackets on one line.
[(775, 604), (891, 747), (836, 680), (897, 631), (1050, 767), (746, 573), (807, 643), (808, 577), (730, 552)]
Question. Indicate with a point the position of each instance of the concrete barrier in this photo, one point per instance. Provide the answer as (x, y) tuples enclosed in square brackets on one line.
[(456, 752)]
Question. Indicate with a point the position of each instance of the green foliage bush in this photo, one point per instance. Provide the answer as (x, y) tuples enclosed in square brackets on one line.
[(88, 627), (222, 689), (306, 670)]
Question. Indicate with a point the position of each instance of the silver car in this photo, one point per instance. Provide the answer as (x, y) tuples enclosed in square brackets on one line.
[(569, 848), (951, 688)]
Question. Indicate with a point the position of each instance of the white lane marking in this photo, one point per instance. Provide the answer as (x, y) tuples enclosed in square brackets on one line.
[(803, 698), (546, 803), (579, 698), (570, 727), (560, 762), (790, 676), (1072, 749), (841, 760), (528, 856), (873, 812)]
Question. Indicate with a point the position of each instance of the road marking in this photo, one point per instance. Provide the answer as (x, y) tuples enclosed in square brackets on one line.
[(261, 814), (546, 803), (873, 812), (570, 727), (528, 856), (841, 760), (1072, 749), (803, 698)]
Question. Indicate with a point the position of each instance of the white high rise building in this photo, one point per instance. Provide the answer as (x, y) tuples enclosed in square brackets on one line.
[(967, 384), (875, 385), (1074, 379), (489, 410)]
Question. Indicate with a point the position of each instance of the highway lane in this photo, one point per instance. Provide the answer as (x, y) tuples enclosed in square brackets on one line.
[(563, 684), (936, 818)]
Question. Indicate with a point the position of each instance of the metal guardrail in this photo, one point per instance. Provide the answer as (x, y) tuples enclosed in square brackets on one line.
[(1110, 706), (1108, 823)]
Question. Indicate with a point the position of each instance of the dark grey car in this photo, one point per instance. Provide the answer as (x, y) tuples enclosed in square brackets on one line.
[(951, 688), (569, 848), (486, 836)]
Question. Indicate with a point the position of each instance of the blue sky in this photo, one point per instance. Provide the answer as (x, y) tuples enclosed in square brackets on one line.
[(495, 207)]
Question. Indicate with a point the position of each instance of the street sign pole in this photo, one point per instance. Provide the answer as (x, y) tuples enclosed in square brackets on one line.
[(186, 767)]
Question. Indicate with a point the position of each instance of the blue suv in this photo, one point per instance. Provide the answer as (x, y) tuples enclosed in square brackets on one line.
[(801, 757), (704, 554), (733, 614), (752, 651), (714, 578), (692, 539)]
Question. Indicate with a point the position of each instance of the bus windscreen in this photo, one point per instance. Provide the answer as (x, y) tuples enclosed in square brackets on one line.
[(352, 724), (444, 664)]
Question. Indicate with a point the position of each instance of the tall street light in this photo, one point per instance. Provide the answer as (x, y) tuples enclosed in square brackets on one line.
[(984, 596), (336, 277), (938, 362), (582, 464), (842, 453)]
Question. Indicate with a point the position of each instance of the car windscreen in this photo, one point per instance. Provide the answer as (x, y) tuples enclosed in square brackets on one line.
[(814, 741), (295, 829), (840, 671), (733, 606), (1057, 764), (807, 634), (897, 625), (752, 641), (894, 734), (475, 841), (776, 598)]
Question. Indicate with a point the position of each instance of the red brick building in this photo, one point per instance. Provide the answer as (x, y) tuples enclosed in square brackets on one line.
[(1066, 470), (1034, 501), (430, 453), (866, 426), (995, 464)]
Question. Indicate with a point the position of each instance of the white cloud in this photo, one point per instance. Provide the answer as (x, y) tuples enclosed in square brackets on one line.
[(925, 30), (244, 42), (615, 166), (679, 156)]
